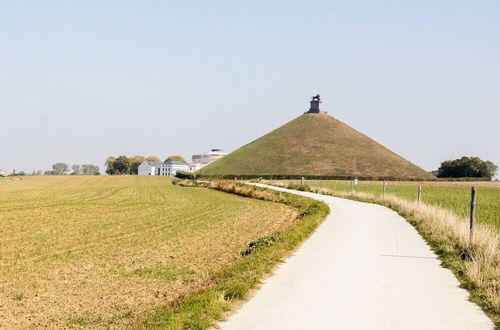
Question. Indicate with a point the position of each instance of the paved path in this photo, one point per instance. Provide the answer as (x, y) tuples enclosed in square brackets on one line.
[(364, 268)]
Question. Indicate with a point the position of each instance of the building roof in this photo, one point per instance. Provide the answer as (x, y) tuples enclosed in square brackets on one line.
[(167, 162), (152, 163), (174, 162), (213, 152)]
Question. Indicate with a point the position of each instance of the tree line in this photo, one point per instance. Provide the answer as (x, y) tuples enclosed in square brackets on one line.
[(76, 169), (126, 165), (122, 165)]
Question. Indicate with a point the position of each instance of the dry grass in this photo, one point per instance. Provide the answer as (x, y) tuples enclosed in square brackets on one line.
[(454, 196), (476, 264), (487, 184), (101, 252), (247, 191)]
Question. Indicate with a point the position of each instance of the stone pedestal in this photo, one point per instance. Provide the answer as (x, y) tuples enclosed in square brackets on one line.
[(314, 107), (315, 101)]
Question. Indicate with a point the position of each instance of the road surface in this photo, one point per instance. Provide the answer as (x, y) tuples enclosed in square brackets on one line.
[(365, 267)]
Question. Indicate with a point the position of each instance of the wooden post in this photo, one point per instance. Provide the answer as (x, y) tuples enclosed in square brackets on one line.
[(419, 195), (352, 187), (472, 213), (383, 189), (302, 181)]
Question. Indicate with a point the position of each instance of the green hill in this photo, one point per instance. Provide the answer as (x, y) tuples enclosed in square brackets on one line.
[(315, 145)]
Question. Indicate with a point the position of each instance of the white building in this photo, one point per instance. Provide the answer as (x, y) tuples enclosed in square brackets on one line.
[(170, 167), (149, 168), (193, 167), (208, 157), (167, 168)]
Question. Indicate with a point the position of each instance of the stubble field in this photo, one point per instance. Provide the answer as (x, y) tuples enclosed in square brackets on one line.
[(101, 252)]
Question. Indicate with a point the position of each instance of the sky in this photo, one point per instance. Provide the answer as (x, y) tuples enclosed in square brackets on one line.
[(83, 80)]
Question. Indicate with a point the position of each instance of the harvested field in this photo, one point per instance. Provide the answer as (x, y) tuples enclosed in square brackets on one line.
[(101, 252)]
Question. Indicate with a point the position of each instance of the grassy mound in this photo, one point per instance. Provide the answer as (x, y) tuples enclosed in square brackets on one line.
[(315, 145)]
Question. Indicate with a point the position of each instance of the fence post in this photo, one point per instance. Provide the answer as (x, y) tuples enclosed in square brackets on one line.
[(419, 196), (383, 189), (472, 213), (302, 181), (352, 187)]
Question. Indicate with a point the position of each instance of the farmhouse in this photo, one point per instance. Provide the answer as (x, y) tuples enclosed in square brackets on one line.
[(168, 168), (5, 173)]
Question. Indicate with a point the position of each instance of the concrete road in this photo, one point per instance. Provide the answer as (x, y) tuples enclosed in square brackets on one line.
[(364, 268)]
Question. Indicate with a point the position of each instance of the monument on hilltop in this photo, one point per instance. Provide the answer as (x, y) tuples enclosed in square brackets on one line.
[(315, 101), (314, 145)]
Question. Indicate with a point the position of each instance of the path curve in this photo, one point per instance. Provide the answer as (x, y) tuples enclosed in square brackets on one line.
[(365, 267)]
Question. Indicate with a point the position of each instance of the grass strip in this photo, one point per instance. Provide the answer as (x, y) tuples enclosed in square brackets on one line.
[(233, 284), (476, 265)]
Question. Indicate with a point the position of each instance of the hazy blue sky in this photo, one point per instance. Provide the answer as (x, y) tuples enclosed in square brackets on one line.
[(83, 80)]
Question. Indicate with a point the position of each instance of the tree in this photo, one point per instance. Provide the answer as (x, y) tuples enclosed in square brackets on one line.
[(110, 165), (176, 157), (152, 159), (77, 170), (491, 169), (89, 169), (121, 165), (467, 167), (60, 168), (48, 173), (135, 162)]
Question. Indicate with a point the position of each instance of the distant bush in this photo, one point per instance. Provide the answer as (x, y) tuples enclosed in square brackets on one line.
[(18, 174), (186, 175), (188, 183), (258, 244), (467, 167), (60, 168), (90, 169), (247, 191)]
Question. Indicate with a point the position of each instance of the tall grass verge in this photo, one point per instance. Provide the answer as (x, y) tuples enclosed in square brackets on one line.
[(476, 264), (232, 284)]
